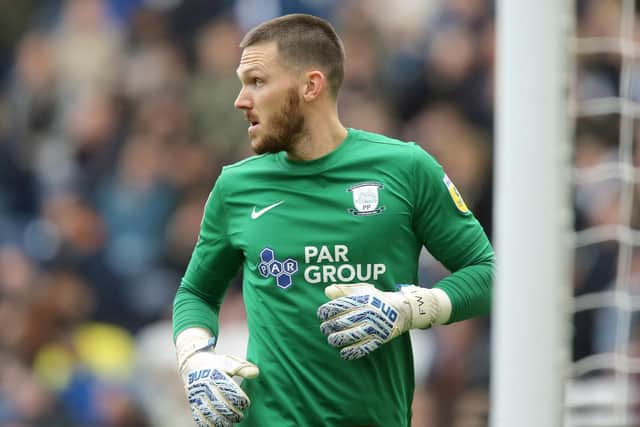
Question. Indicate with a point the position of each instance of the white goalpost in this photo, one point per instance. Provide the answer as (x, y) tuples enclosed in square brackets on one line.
[(530, 350)]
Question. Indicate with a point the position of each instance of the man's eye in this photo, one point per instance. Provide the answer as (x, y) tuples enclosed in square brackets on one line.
[(258, 82)]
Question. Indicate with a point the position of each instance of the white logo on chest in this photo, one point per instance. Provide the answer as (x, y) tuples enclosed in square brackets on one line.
[(366, 198), (258, 214)]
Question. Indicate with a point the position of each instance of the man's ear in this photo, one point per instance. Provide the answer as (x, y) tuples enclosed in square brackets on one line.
[(315, 85)]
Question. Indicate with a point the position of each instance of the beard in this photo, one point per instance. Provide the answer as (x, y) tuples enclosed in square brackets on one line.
[(288, 127)]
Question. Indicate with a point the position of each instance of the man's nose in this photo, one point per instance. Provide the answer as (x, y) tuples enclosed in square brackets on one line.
[(243, 101)]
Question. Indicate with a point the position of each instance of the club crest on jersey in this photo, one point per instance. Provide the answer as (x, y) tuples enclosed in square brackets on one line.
[(366, 198), (455, 195), (269, 266)]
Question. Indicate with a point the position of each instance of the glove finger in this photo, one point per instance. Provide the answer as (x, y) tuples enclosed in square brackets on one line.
[(337, 290), (199, 419), (359, 350), (344, 322), (341, 305), (334, 308), (203, 421), (217, 397), (356, 334), (350, 319), (362, 314), (234, 365), (235, 398), (347, 337), (207, 408)]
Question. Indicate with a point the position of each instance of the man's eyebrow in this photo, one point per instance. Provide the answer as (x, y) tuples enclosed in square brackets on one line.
[(252, 68)]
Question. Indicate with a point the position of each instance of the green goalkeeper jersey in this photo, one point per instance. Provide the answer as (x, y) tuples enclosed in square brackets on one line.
[(359, 214)]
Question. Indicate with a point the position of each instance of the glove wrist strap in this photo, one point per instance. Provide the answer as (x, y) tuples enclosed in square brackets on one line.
[(191, 341), (424, 306)]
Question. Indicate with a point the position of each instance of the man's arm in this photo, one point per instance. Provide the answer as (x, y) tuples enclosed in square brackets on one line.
[(213, 264), (213, 395), (454, 237)]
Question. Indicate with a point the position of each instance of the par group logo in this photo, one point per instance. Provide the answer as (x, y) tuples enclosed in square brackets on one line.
[(283, 271)]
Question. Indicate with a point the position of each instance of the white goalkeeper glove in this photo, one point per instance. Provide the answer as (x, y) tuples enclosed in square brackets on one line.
[(214, 397), (360, 318)]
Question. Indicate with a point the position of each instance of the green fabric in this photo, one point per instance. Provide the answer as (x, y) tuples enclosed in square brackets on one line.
[(324, 230)]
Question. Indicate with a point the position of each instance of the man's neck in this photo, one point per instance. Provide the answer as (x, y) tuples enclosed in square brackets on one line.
[(321, 138)]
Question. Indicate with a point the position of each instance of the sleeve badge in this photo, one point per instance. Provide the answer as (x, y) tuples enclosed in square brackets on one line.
[(455, 195)]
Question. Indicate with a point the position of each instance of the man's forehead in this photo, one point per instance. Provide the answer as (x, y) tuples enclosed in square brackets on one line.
[(260, 55)]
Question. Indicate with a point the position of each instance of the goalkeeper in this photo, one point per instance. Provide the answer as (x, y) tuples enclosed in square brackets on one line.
[(327, 224)]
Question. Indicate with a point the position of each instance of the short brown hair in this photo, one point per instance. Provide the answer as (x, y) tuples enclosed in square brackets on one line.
[(303, 40)]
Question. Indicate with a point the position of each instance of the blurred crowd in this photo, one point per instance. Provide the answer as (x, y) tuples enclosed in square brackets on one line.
[(116, 117), (606, 333)]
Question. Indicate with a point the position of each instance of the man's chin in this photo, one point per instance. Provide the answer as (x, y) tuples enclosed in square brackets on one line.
[(259, 147), (266, 145), (256, 146)]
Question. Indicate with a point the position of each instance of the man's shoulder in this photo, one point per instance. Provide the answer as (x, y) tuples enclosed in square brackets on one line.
[(396, 152), (378, 138), (248, 164), (237, 174), (386, 145)]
